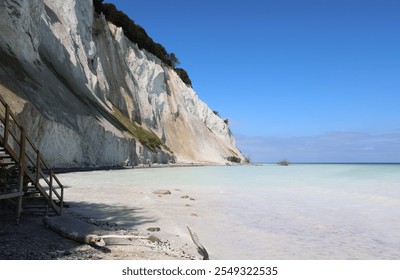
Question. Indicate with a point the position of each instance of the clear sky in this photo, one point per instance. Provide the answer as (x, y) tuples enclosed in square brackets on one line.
[(306, 81)]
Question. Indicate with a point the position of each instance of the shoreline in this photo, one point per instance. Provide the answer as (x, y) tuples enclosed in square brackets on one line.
[(140, 166)]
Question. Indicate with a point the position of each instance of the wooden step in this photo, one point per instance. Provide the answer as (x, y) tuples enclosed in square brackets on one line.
[(5, 156), (40, 211), (11, 195), (8, 191), (37, 206), (12, 185), (7, 164)]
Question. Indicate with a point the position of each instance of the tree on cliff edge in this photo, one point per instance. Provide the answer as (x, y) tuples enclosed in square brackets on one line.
[(136, 34)]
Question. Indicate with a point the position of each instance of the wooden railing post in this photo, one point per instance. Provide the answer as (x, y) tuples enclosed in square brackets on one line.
[(37, 167), (62, 200), (21, 166), (51, 185), (6, 125)]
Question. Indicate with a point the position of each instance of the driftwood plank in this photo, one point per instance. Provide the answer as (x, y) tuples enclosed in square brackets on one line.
[(80, 231), (74, 229)]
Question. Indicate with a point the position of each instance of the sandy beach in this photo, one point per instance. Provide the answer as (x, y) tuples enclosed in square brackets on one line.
[(238, 213), (143, 211), (31, 240)]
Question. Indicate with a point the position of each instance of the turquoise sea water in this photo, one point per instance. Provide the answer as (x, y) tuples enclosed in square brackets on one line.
[(302, 211), (318, 211)]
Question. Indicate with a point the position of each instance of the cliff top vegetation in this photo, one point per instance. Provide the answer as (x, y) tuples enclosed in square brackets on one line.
[(136, 34)]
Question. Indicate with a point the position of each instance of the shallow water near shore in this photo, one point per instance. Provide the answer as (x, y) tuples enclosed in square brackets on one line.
[(302, 211)]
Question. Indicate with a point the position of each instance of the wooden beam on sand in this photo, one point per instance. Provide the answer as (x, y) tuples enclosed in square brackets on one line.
[(81, 232)]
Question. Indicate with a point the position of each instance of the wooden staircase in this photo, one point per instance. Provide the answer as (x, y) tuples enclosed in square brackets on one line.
[(26, 181)]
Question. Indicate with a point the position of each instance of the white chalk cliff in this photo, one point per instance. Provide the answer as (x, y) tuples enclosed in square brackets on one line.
[(80, 86)]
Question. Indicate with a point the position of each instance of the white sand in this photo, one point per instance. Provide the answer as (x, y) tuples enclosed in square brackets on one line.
[(270, 212), (109, 196)]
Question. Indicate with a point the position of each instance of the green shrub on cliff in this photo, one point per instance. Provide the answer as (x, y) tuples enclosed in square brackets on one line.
[(136, 34), (184, 76)]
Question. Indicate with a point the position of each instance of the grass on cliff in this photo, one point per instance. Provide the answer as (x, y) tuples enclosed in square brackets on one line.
[(146, 137)]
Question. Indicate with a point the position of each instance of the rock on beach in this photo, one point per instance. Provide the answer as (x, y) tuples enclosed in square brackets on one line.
[(162, 192)]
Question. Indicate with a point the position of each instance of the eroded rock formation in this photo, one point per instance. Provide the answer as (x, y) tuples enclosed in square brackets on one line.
[(90, 97)]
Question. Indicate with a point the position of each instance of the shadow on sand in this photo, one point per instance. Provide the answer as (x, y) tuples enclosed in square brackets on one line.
[(110, 215), (31, 240)]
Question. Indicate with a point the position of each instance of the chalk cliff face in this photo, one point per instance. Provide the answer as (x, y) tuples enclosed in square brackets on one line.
[(82, 89)]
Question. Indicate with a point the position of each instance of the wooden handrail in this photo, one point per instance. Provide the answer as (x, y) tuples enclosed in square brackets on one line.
[(23, 158)]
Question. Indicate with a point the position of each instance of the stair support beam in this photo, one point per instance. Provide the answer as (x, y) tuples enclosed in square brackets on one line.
[(6, 126), (22, 163), (51, 185), (37, 167)]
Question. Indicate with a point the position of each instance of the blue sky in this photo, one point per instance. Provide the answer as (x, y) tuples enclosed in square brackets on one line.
[(310, 80)]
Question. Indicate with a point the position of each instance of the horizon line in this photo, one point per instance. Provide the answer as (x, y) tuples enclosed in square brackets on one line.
[(333, 162)]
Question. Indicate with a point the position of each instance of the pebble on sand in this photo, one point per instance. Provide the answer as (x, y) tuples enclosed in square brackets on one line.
[(153, 229), (162, 192), (154, 239)]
